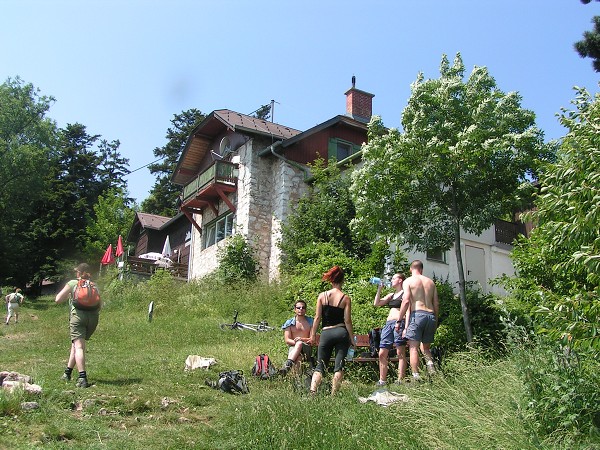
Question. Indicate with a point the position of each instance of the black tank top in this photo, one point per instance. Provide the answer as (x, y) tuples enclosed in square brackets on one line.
[(396, 302), (333, 315)]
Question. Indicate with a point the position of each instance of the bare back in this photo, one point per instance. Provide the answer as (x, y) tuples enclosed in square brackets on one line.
[(422, 293)]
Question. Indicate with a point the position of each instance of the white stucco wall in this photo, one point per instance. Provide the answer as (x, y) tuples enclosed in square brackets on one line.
[(496, 261)]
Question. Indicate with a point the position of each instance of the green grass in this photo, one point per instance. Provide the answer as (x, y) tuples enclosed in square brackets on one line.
[(143, 399)]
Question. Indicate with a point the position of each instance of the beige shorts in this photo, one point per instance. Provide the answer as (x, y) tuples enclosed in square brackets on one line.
[(82, 324), (13, 308), (306, 349)]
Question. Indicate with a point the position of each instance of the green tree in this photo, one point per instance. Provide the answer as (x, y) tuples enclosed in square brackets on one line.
[(27, 138), (323, 215), (164, 194), (559, 266), (589, 46), (112, 217), (462, 161), (113, 167)]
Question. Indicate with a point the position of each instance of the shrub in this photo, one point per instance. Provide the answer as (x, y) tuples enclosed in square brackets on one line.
[(237, 261), (563, 388)]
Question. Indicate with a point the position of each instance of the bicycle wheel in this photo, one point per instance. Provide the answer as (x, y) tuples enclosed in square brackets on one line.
[(228, 326)]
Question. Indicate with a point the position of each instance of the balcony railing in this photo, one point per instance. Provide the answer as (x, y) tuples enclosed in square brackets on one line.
[(223, 172), (507, 232)]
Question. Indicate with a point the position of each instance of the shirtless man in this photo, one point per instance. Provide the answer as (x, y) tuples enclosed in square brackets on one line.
[(420, 293), (296, 333)]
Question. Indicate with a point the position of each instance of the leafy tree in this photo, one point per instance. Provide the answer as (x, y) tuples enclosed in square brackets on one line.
[(559, 266), (324, 215), (112, 217), (27, 137), (164, 194), (462, 160)]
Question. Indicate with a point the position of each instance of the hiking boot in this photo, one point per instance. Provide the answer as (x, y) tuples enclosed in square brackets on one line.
[(430, 368), (82, 382), (287, 367), (66, 377)]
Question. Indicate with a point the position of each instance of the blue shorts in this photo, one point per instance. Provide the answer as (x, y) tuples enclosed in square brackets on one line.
[(421, 327), (389, 335)]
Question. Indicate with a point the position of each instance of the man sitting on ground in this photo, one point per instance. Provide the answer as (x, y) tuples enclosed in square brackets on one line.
[(296, 333)]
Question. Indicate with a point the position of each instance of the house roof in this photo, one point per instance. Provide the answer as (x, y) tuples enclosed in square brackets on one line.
[(201, 138), (145, 220), (153, 221), (333, 121)]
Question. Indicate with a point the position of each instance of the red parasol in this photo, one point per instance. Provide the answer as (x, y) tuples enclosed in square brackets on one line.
[(119, 251), (108, 257)]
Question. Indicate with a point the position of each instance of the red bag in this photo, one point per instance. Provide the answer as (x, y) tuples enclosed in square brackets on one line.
[(86, 296)]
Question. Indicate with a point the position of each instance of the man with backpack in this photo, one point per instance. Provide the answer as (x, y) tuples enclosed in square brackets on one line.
[(84, 312), (13, 304), (296, 333)]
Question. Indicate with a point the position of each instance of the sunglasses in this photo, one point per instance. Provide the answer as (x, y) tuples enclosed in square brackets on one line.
[(300, 307)]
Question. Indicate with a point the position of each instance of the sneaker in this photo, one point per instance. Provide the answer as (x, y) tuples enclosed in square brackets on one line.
[(417, 377), (66, 377), (82, 382), (399, 382), (380, 383)]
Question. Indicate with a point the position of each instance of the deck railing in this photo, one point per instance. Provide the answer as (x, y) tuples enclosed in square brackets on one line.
[(223, 172), (507, 232)]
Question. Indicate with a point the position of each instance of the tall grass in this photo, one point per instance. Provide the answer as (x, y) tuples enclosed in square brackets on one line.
[(142, 398)]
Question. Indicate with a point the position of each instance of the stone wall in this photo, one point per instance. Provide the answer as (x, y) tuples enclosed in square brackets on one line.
[(266, 186)]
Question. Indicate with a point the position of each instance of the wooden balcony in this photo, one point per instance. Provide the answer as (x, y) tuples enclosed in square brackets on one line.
[(210, 186), (507, 232), (142, 266)]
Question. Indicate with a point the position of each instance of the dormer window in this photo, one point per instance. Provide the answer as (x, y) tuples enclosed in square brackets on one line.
[(341, 149)]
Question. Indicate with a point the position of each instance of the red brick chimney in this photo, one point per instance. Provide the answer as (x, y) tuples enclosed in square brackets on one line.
[(359, 104)]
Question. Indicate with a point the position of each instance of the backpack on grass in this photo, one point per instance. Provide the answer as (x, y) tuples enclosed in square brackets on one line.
[(86, 296), (263, 367), (232, 382)]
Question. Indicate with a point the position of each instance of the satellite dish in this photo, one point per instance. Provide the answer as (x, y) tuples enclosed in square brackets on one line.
[(225, 147)]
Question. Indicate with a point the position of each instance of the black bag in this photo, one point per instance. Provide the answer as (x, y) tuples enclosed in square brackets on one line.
[(374, 340), (233, 382)]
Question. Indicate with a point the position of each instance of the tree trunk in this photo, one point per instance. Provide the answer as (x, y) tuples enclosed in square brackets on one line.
[(462, 283)]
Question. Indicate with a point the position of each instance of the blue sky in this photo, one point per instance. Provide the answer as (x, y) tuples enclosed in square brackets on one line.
[(124, 68)]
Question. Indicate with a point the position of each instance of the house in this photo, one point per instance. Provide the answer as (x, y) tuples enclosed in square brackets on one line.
[(243, 174), (149, 233)]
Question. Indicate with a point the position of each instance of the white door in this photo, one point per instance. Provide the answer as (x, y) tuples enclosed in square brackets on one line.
[(475, 266)]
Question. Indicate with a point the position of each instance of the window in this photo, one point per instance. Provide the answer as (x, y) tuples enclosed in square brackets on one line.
[(340, 149), (436, 254), (218, 230)]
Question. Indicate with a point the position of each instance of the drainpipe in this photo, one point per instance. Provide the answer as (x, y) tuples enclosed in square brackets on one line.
[(271, 149)]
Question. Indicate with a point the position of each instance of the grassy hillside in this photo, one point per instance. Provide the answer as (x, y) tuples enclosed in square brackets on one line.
[(141, 397)]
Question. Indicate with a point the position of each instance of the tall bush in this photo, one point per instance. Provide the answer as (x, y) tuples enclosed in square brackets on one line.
[(237, 261)]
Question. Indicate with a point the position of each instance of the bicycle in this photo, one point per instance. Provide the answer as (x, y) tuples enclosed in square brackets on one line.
[(262, 326)]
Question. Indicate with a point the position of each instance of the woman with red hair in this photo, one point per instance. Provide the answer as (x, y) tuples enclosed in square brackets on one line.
[(334, 311)]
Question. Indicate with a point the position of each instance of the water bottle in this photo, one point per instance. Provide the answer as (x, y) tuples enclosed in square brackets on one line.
[(377, 281), (350, 354)]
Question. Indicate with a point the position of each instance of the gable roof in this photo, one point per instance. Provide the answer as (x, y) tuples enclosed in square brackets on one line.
[(152, 221), (201, 137), (322, 126)]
